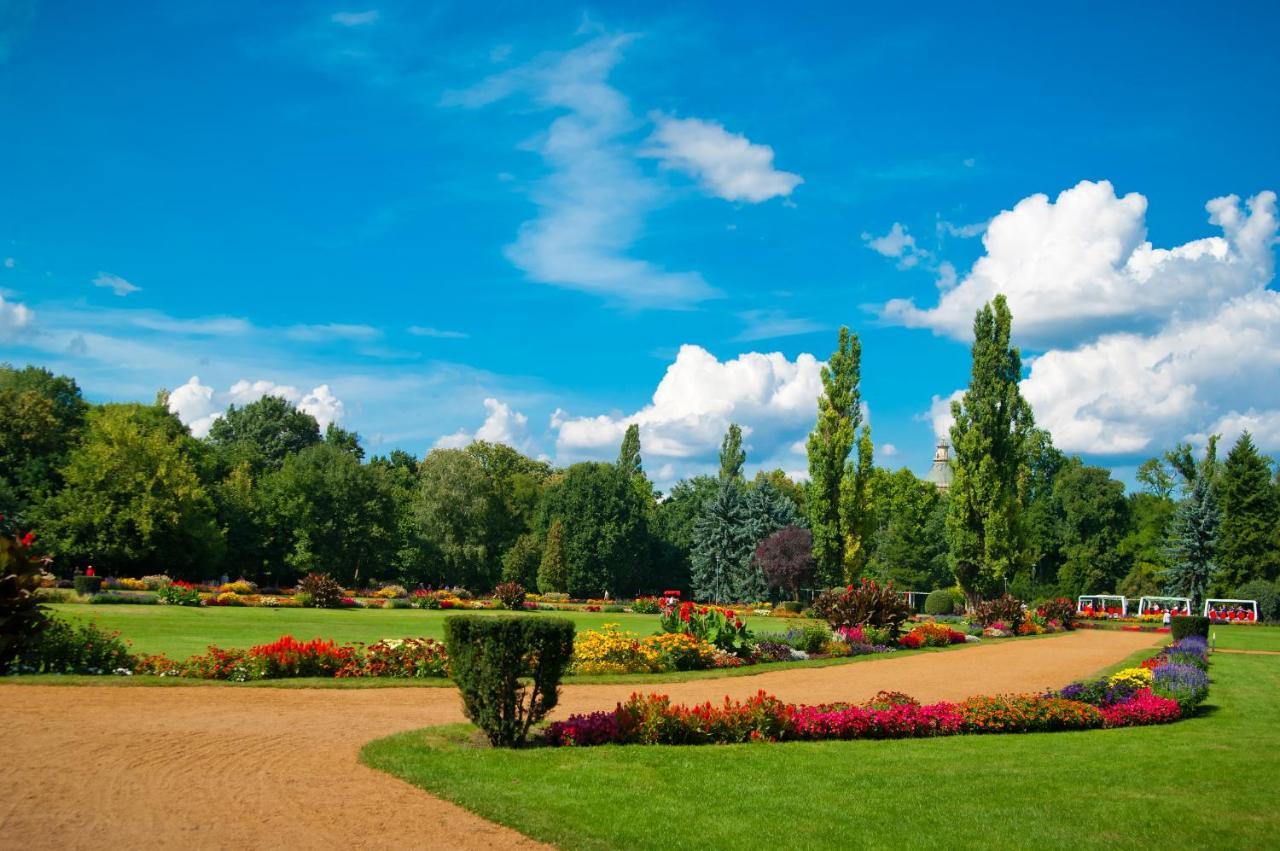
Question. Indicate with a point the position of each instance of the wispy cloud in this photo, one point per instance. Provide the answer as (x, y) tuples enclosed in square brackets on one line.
[(331, 331), (728, 165), (116, 284), (769, 324), (438, 333), (591, 207), (355, 19)]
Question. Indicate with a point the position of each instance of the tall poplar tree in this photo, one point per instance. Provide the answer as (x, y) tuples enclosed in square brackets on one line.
[(991, 437), (1249, 516), (629, 454), (732, 455), (856, 511), (828, 448)]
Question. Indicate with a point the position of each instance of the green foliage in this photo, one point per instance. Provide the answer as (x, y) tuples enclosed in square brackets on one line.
[(510, 595), (990, 436), (322, 590), (909, 546), (1003, 609), (1143, 580), (629, 463), (508, 670), (1267, 595), (22, 618), (674, 521), (1155, 477), (326, 511), (723, 548), (553, 571), (941, 601), (85, 585), (133, 498), (828, 448), (455, 507), (1250, 516), (178, 594), (812, 638), (856, 521), (732, 455), (520, 562), (1184, 625), (1094, 515), (346, 441), (782, 483), (74, 648), (41, 418), (264, 432), (867, 603), (1193, 541), (606, 529)]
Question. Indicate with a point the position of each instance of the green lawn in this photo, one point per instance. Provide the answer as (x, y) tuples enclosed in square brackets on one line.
[(1209, 781), (179, 631), (1246, 637)]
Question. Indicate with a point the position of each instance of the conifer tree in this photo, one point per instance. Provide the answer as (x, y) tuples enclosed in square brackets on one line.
[(1249, 516), (722, 546), (828, 449), (1193, 541), (991, 437)]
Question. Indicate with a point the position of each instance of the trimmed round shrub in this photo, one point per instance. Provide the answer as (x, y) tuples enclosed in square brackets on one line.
[(508, 670), (940, 602), (1185, 625)]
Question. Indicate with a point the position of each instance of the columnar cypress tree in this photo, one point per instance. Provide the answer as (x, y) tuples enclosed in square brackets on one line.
[(1193, 542), (828, 448), (553, 573), (991, 435), (1249, 516), (732, 455), (856, 519)]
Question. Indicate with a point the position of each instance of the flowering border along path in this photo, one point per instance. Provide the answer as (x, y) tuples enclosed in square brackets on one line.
[(1165, 688)]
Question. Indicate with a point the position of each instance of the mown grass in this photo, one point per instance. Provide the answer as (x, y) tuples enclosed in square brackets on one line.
[(179, 631), (1208, 781)]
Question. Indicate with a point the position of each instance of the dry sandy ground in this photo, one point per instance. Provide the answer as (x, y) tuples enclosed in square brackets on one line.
[(274, 768)]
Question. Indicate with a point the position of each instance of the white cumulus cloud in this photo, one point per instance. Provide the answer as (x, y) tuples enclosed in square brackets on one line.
[(198, 405), (15, 319), (193, 403), (1131, 392), (1081, 265), (728, 165), (774, 399), (501, 425)]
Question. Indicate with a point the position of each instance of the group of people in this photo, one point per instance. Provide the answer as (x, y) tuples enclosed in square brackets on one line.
[(1175, 609), (1228, 614)]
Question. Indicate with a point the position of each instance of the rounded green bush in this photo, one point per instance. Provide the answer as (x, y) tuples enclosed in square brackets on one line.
[(1185, 625), (940, 602)]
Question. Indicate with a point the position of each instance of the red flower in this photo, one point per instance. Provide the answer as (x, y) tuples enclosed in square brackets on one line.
[(27, 539)]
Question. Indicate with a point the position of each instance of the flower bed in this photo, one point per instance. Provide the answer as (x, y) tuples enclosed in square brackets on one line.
[(1160, 691), (287, 657)]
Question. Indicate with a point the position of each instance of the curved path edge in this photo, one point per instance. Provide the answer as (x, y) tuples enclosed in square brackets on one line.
[(257, 768)]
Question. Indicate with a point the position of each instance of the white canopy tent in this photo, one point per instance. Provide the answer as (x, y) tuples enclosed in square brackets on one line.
[(1250, 605), (1099, 601), (1177, 604)]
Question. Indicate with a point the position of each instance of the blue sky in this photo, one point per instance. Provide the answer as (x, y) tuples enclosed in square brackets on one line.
[(538, 224)]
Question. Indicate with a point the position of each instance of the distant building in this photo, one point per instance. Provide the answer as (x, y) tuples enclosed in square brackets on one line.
[(940, 473)]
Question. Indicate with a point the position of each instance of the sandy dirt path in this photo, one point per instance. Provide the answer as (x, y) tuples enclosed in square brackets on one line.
[(274, 768)]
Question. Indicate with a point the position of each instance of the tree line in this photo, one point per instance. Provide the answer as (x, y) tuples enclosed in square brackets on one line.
[(268, 496)]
